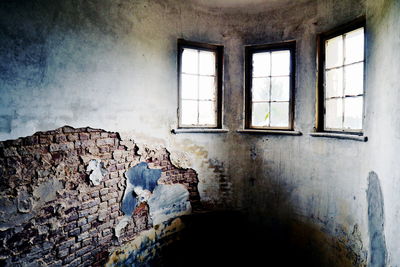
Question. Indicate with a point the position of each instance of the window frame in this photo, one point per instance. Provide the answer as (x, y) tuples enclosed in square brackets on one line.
[(320, 92), (218, 50), (249, 51)]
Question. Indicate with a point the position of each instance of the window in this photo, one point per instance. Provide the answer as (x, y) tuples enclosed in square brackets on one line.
[(341, 79), (270, 72), (200, 85)]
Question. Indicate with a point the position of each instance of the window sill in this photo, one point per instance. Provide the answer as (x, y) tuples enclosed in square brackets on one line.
[(361, 138), (200, 130), (268, 132)]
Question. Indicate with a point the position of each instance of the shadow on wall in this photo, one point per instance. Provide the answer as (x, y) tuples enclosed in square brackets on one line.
[(229, 239), (273, 238)]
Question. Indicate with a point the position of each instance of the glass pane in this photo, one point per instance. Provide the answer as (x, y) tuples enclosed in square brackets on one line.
[(190, 61), (261, 64), (189, 86), (260, 89), (354, 79), (280, 63), (334, 52), (207, 88), (280, 89), (189, 112), (207, 112), (260, 114), (333, 113), (207, 63), (354, 46), (334, 82), (280, 114), (353, 111)]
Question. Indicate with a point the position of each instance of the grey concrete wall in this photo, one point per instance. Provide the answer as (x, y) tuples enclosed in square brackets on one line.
[(112, 65), (383, 18)]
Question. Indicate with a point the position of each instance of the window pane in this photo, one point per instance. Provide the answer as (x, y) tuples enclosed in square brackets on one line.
[(189, 86), (354, 46), (280, 63), (260, 115), (354, 79), (261, 64), (207, 88), (280, 89), (334, 113), (334, 83), (189, 112), (207, 63), (279, 114), (207, 112), (260, 89), (353, 110), (190, 61), (334, 52)]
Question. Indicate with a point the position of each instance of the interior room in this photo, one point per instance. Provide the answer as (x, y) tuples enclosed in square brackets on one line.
[(199, 133)]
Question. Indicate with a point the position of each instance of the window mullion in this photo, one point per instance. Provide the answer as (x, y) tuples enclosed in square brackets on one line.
[(270, 89), (343, 78), (198, 86)]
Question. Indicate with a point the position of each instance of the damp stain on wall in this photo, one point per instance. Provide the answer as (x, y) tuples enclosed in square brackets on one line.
[(376, 221)]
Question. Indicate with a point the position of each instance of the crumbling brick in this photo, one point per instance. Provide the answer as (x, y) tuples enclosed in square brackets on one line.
[(82, 216)]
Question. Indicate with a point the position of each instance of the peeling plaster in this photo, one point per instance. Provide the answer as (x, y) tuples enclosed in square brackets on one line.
[(169, 201), (165, 201), (24, 202), (46, 191), (141, 182), (97, 171), (145, 245)]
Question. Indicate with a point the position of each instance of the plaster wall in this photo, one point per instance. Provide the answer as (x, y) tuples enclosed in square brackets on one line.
[(112, 65)]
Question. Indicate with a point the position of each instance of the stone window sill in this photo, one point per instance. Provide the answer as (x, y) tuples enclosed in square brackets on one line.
[(346, 136), (269, 132), (199, 130)]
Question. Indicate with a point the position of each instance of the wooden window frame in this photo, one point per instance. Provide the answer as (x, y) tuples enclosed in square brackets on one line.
[(219, 51), (249, 51), (320, 92)]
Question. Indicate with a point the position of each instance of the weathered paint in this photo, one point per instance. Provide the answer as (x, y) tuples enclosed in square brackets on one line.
[(168, 201), (145, 246), (165, 201), (139, 180)]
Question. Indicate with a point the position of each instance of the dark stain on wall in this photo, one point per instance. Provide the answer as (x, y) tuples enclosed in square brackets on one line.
[(376, 219)]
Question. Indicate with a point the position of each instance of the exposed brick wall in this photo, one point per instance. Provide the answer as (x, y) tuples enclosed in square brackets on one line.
[(74, 228)]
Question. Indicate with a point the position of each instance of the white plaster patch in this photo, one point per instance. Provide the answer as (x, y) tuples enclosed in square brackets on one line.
[(46, 191), (142, 194), (169, 201), (121, 225), (24, 202), (180, 159), (98, 171)]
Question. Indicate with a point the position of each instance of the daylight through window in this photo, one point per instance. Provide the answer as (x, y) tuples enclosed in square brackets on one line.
[(199, 83), (270, 82), (344, 81)]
